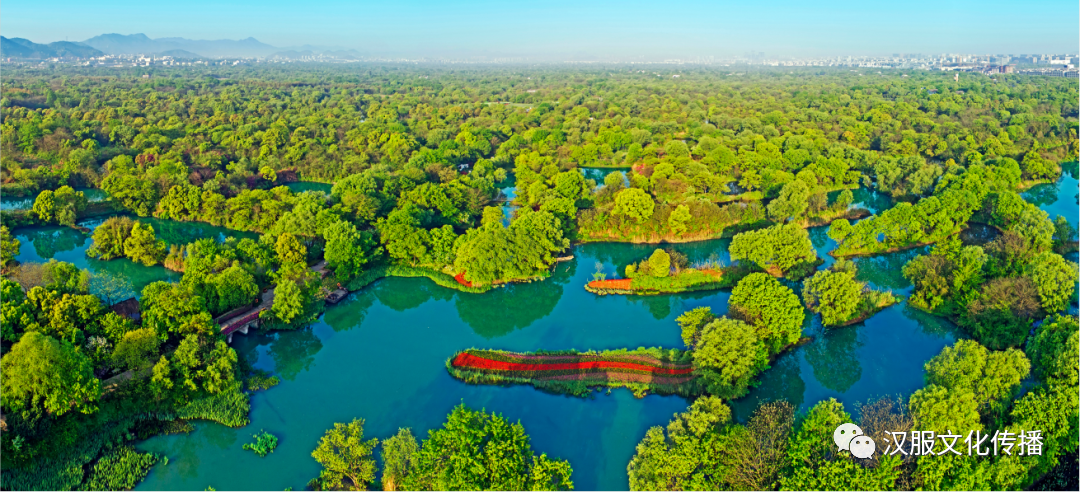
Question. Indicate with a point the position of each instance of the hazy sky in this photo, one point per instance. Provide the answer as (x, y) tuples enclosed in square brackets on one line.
[(575, 29)]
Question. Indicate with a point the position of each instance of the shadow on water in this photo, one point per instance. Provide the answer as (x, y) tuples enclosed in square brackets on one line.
[(287, 353), (783, 381), (8, 202), (834, 358), (500, 311), (47, 242), (174, 232)]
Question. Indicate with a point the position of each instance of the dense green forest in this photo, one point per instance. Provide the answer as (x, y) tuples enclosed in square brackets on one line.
[(417, 157)]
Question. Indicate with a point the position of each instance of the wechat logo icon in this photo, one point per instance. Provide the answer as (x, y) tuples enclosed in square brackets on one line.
[(851, 438)]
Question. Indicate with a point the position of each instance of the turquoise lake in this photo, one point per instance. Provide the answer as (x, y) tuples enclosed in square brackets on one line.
[(380, 355)]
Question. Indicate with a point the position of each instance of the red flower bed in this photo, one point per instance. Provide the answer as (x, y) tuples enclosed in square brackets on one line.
[(615, 283), (550, 358), (469, 361), (621, 376), (461, 280)]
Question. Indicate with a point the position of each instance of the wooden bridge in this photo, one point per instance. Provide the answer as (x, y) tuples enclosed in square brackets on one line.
[(241, 324), (233, 322)]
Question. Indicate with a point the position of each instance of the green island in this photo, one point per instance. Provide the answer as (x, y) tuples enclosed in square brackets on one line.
[(299, 248), (576, 373), (840, 299), (666, 272)]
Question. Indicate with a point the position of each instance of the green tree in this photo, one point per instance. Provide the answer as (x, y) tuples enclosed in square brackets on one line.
[(692, 322), (347, 250), (777, 249), (289, 301), (936, 407), (41, 373), (143, 247), (399, 455), (68, 203), (792, 202), (492, 215), (161, 379), (289, 250), (45, 206), (679, 218), (634, 203), (687, 457), (232, 288), (1063, 232), (9, 247), (814, 463), (771, 307), (991, 377), (1055, 350), (475, 450), (65, 278), (836, 295), (522, 250), (15, 312), (136, 349), (201, 363), (173, 309), (109, 237), (1055, 280), (728, 355), (347, 459), (676, 148), (659, 263)]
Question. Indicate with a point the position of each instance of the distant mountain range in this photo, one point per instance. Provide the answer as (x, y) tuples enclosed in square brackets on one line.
[(140, 44), (24, 48)]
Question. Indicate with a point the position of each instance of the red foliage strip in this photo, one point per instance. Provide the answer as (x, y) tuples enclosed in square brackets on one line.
[(467, 360), (461, 280), (615, 283)]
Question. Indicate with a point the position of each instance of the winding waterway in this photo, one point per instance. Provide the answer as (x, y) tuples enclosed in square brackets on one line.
[(380, 355)]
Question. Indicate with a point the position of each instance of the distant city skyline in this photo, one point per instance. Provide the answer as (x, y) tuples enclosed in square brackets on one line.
[(570, 31)]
